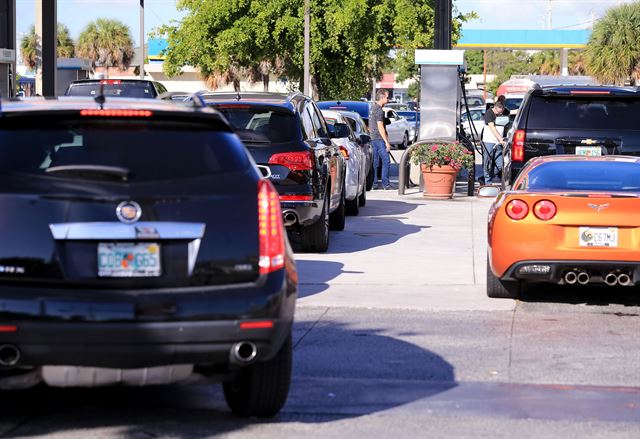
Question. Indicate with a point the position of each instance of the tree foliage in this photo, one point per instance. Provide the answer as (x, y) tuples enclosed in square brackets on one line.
[(475, 61), (106, 42), (613, 50), (30, 46), (350, 40)]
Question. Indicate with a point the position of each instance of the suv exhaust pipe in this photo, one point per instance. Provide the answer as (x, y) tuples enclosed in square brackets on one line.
[(624, 279), (9, 355), (570, 277), (583, 278), (289, 218), (244, 352), (611, 279)]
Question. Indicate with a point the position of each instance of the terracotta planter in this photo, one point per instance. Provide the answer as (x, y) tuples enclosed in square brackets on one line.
[(439, 181)]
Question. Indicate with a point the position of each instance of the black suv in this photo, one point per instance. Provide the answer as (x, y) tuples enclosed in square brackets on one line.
[(122, 88), (288, 134), (140, 243), (584, 120)]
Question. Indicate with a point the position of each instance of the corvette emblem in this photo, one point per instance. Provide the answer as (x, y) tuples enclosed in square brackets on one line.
[(588, 141), (598, 207)]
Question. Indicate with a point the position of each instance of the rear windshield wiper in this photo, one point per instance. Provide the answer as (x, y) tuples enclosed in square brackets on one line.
[(91, 171)]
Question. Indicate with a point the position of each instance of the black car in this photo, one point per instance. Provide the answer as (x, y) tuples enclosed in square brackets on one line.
[(122, 88), (141, 243), (288, 134), (360, 107), (587, 120)]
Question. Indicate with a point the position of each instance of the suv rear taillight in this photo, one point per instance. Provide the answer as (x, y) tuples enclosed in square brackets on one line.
[(296, 161), (270, 228), (517, 149)]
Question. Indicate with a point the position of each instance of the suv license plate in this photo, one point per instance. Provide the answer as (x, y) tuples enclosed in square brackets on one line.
[(598, 237), (124, 259), (588, 150)]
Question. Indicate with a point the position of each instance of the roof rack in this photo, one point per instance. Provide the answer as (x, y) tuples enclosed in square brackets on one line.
[(195, 98), (293, 95)]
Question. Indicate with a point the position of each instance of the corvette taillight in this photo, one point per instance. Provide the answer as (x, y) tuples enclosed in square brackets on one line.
[(517, 209), (296, 161), (545, 210), (517, 148), (270, 228)]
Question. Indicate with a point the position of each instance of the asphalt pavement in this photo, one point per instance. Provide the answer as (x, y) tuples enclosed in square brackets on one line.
[(395, 337)]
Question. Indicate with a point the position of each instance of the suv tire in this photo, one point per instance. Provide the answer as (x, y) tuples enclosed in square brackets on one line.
[(337, 217), (261, 389), (315, 238), (496, 289)]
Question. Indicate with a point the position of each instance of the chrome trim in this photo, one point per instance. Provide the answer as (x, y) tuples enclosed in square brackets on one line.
[(264, 169), (192, 255), (114, 230)]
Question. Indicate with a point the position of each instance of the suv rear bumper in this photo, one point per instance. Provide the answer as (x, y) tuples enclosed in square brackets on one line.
[(124, 331), (307, 212)]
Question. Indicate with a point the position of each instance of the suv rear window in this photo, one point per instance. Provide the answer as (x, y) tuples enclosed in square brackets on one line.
[(583, 113), (114, 88), (149, 151), (615, 176), (261, 125)]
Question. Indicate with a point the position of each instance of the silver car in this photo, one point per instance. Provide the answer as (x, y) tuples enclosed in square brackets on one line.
[(355, 157)]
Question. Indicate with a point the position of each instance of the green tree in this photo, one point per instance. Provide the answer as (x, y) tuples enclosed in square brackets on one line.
[(547, 62), (475, 61), (414, 90), (613, 50), (229, 40), (30, 46), (503, 64), (107, 43)]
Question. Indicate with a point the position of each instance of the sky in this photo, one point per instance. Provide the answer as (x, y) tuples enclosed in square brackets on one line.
[(494, 14)]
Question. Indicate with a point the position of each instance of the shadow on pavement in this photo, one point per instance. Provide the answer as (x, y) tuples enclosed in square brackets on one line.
[(588, 295), (314, 276), (339, 373)]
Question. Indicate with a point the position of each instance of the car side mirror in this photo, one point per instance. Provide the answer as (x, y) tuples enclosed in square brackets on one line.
[(489, 191), (365, 138)]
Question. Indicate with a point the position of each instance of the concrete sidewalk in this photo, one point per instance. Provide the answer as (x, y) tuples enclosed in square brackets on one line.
[(404, 252)]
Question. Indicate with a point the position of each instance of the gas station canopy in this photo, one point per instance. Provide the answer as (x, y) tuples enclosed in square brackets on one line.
[(523, 39)]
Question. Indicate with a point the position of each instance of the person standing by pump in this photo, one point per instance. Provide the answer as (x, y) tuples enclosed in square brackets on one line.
[(493, 140), (379, 139)]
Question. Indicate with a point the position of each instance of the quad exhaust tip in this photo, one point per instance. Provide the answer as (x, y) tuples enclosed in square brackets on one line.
[(583, 278), (624, 279), (9, 355), (244, 352), (611, 279), (570, 277)]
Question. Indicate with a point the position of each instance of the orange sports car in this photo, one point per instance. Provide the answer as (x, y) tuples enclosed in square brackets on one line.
[(568, 220)]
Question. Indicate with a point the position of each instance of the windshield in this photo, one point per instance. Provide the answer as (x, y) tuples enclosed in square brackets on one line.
[(581, 113), (103, 151), (261, 125), (114, 88), (475, 115), (613, 176)]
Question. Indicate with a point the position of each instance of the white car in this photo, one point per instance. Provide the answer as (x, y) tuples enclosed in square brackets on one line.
[(475, 116), (355, 157), (398, 128), (363, 138)]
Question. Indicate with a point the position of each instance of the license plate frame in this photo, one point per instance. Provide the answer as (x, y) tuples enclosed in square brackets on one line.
[(598, 237), (129, 259), (589, 150)]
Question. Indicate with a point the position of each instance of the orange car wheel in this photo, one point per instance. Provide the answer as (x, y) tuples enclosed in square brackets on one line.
[(497, 289)]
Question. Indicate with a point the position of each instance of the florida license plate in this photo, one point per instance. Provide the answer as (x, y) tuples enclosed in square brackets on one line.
[(588, 150), (123, 259), (598, 236)]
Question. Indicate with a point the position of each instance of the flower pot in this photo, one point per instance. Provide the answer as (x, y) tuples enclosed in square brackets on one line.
[(439, 181)]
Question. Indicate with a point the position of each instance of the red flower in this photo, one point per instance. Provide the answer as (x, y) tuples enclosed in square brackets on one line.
[(434, 148)]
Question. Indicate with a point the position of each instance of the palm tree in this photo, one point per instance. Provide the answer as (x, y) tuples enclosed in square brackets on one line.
[(613, 50), (548, 62), (577, 62), (30, 46), (107, 43)]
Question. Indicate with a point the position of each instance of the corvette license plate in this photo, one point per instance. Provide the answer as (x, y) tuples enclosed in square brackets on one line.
[(588, 150), (598, 236), (123, 259)]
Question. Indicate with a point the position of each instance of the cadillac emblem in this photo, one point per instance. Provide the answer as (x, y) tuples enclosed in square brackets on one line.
[(128, 212)]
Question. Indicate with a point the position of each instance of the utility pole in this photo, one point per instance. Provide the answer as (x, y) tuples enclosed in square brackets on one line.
[(307, 37), (46, 29), (549, 14), (141, 39)]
